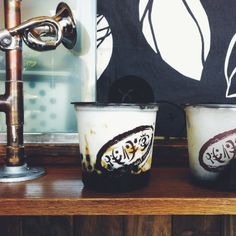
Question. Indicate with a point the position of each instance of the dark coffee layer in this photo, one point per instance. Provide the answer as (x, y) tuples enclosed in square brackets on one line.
[(226, 180), (109, 183)]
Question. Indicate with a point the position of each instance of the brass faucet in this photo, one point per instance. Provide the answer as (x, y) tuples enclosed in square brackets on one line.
[(40, 33)]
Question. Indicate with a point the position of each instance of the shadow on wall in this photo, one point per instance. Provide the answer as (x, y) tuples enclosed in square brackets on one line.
[(132, 89)]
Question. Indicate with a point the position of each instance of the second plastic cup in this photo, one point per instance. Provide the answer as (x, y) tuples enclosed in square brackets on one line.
[(211, 132)]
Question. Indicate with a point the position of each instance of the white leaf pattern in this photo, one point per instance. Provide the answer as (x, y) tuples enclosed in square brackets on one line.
[(229, 76), (179, 31), (104, 44)]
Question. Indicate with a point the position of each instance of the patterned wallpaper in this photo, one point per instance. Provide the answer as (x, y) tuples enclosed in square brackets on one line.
[(169, 51)]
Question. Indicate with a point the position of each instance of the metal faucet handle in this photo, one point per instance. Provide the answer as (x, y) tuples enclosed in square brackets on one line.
[(40, 33), (43, 33)]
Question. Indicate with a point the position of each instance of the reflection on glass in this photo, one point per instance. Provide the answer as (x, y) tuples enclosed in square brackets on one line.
[(53, 79)]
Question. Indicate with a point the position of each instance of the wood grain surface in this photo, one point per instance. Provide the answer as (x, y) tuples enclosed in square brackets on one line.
[(229, 225), (61, 192), (47, 226), (187, 225), (98, 225), (197, 225), (45, 202), (10, 226), (147, 225), (166, 152)]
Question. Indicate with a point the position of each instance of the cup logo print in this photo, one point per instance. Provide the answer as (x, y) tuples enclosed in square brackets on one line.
[(217, 152), (127, 152)]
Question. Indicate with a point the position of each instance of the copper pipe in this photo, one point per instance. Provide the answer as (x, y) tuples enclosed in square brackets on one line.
[(13, 57), (12, 101)]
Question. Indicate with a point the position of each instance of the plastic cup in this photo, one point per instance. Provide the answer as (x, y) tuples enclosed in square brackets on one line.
[(211, 133), (116, 144)]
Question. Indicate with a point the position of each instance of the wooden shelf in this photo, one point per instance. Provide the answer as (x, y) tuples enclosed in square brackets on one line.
[(61, 192)]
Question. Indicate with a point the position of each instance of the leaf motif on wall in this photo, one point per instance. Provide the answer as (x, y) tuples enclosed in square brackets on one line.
[(229, 76), (179, 31), (104, 44)]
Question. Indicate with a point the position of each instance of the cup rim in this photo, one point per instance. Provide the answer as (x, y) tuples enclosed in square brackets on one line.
[(210, 105), (111, 104)]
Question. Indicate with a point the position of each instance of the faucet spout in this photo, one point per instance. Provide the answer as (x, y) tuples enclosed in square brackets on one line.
[(11, 104), (3, 102)]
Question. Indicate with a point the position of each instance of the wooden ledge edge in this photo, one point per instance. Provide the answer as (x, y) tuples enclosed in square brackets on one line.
[(122, 206)]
